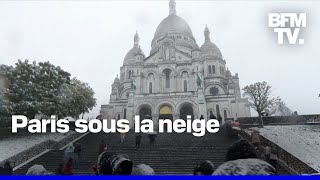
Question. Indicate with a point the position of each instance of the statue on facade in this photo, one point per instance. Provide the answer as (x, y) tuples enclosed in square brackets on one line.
[(133, 84), (199, 79)]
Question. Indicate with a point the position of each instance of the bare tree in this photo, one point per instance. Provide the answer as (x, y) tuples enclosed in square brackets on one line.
[(260, 97)]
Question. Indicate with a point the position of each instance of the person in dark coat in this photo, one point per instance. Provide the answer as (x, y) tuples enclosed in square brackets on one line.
[(76, 156), (241, 149), (152, 137), (204, 168), (273, 160), (230, 131), (114, 164), (138, 140), (59, 170), (102, 145)]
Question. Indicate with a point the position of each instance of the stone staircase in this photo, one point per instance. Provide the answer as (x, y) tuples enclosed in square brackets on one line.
[(171, 154)]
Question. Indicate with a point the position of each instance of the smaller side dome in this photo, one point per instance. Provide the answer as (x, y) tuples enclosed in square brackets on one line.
[(228, 73), (209, 48), (116, 80), (136, 50), (133, 52)]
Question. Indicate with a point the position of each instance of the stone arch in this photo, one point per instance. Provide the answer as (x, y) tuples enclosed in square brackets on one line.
[(165, 103), (181, 70), (150, 74), (123, 92), (194, 106), (213, 69), (167, 41), (215, 83), (220, 85), (143, 104), (166, 111), (144, 111), (185, 110), (168, 74), (167, 67), (167, 49), (183, 73), (147, 72), (225, 110), (213, 112)]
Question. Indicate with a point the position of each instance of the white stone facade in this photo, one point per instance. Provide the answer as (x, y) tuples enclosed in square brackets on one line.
[(166, 79)]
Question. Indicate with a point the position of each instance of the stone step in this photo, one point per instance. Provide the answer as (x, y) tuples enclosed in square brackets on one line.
[(171, 154)]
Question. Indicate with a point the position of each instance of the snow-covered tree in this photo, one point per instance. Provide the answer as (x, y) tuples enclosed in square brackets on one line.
[(260, 97), (48, 90), (84, 98), (33, 87), (5, 105), (78, 97)]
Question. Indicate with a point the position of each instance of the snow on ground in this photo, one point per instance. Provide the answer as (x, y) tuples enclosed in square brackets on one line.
[(16, 144), (302, 141)]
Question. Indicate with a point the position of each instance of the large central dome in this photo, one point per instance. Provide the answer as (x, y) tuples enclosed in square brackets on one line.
[(174, 27), (173, 24)]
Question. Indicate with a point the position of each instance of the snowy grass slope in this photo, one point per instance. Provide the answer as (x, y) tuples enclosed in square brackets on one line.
[(11, 146), (302, 141)]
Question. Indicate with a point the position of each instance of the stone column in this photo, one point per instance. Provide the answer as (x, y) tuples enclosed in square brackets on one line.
[(155, 119), (161, 89), (176, 116), (202, 103), (130, 109)]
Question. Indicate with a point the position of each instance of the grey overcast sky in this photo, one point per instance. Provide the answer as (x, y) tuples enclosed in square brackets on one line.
[(90, 39)]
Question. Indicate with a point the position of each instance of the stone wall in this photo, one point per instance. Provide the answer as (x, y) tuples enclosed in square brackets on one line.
[(279, 120), (39, 148), (288, 159)]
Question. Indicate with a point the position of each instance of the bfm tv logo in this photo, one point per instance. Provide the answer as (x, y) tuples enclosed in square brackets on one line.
[(288, 24)]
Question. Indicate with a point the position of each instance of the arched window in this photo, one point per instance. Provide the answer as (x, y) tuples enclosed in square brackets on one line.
[(221, 70), (225, 114), (167, 73), (185, 86), (209, 69), (218, 111), (213, 69), (130, 74), (184, 74), (166, 50), (150, 87), (167, 54), (124, 113)]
